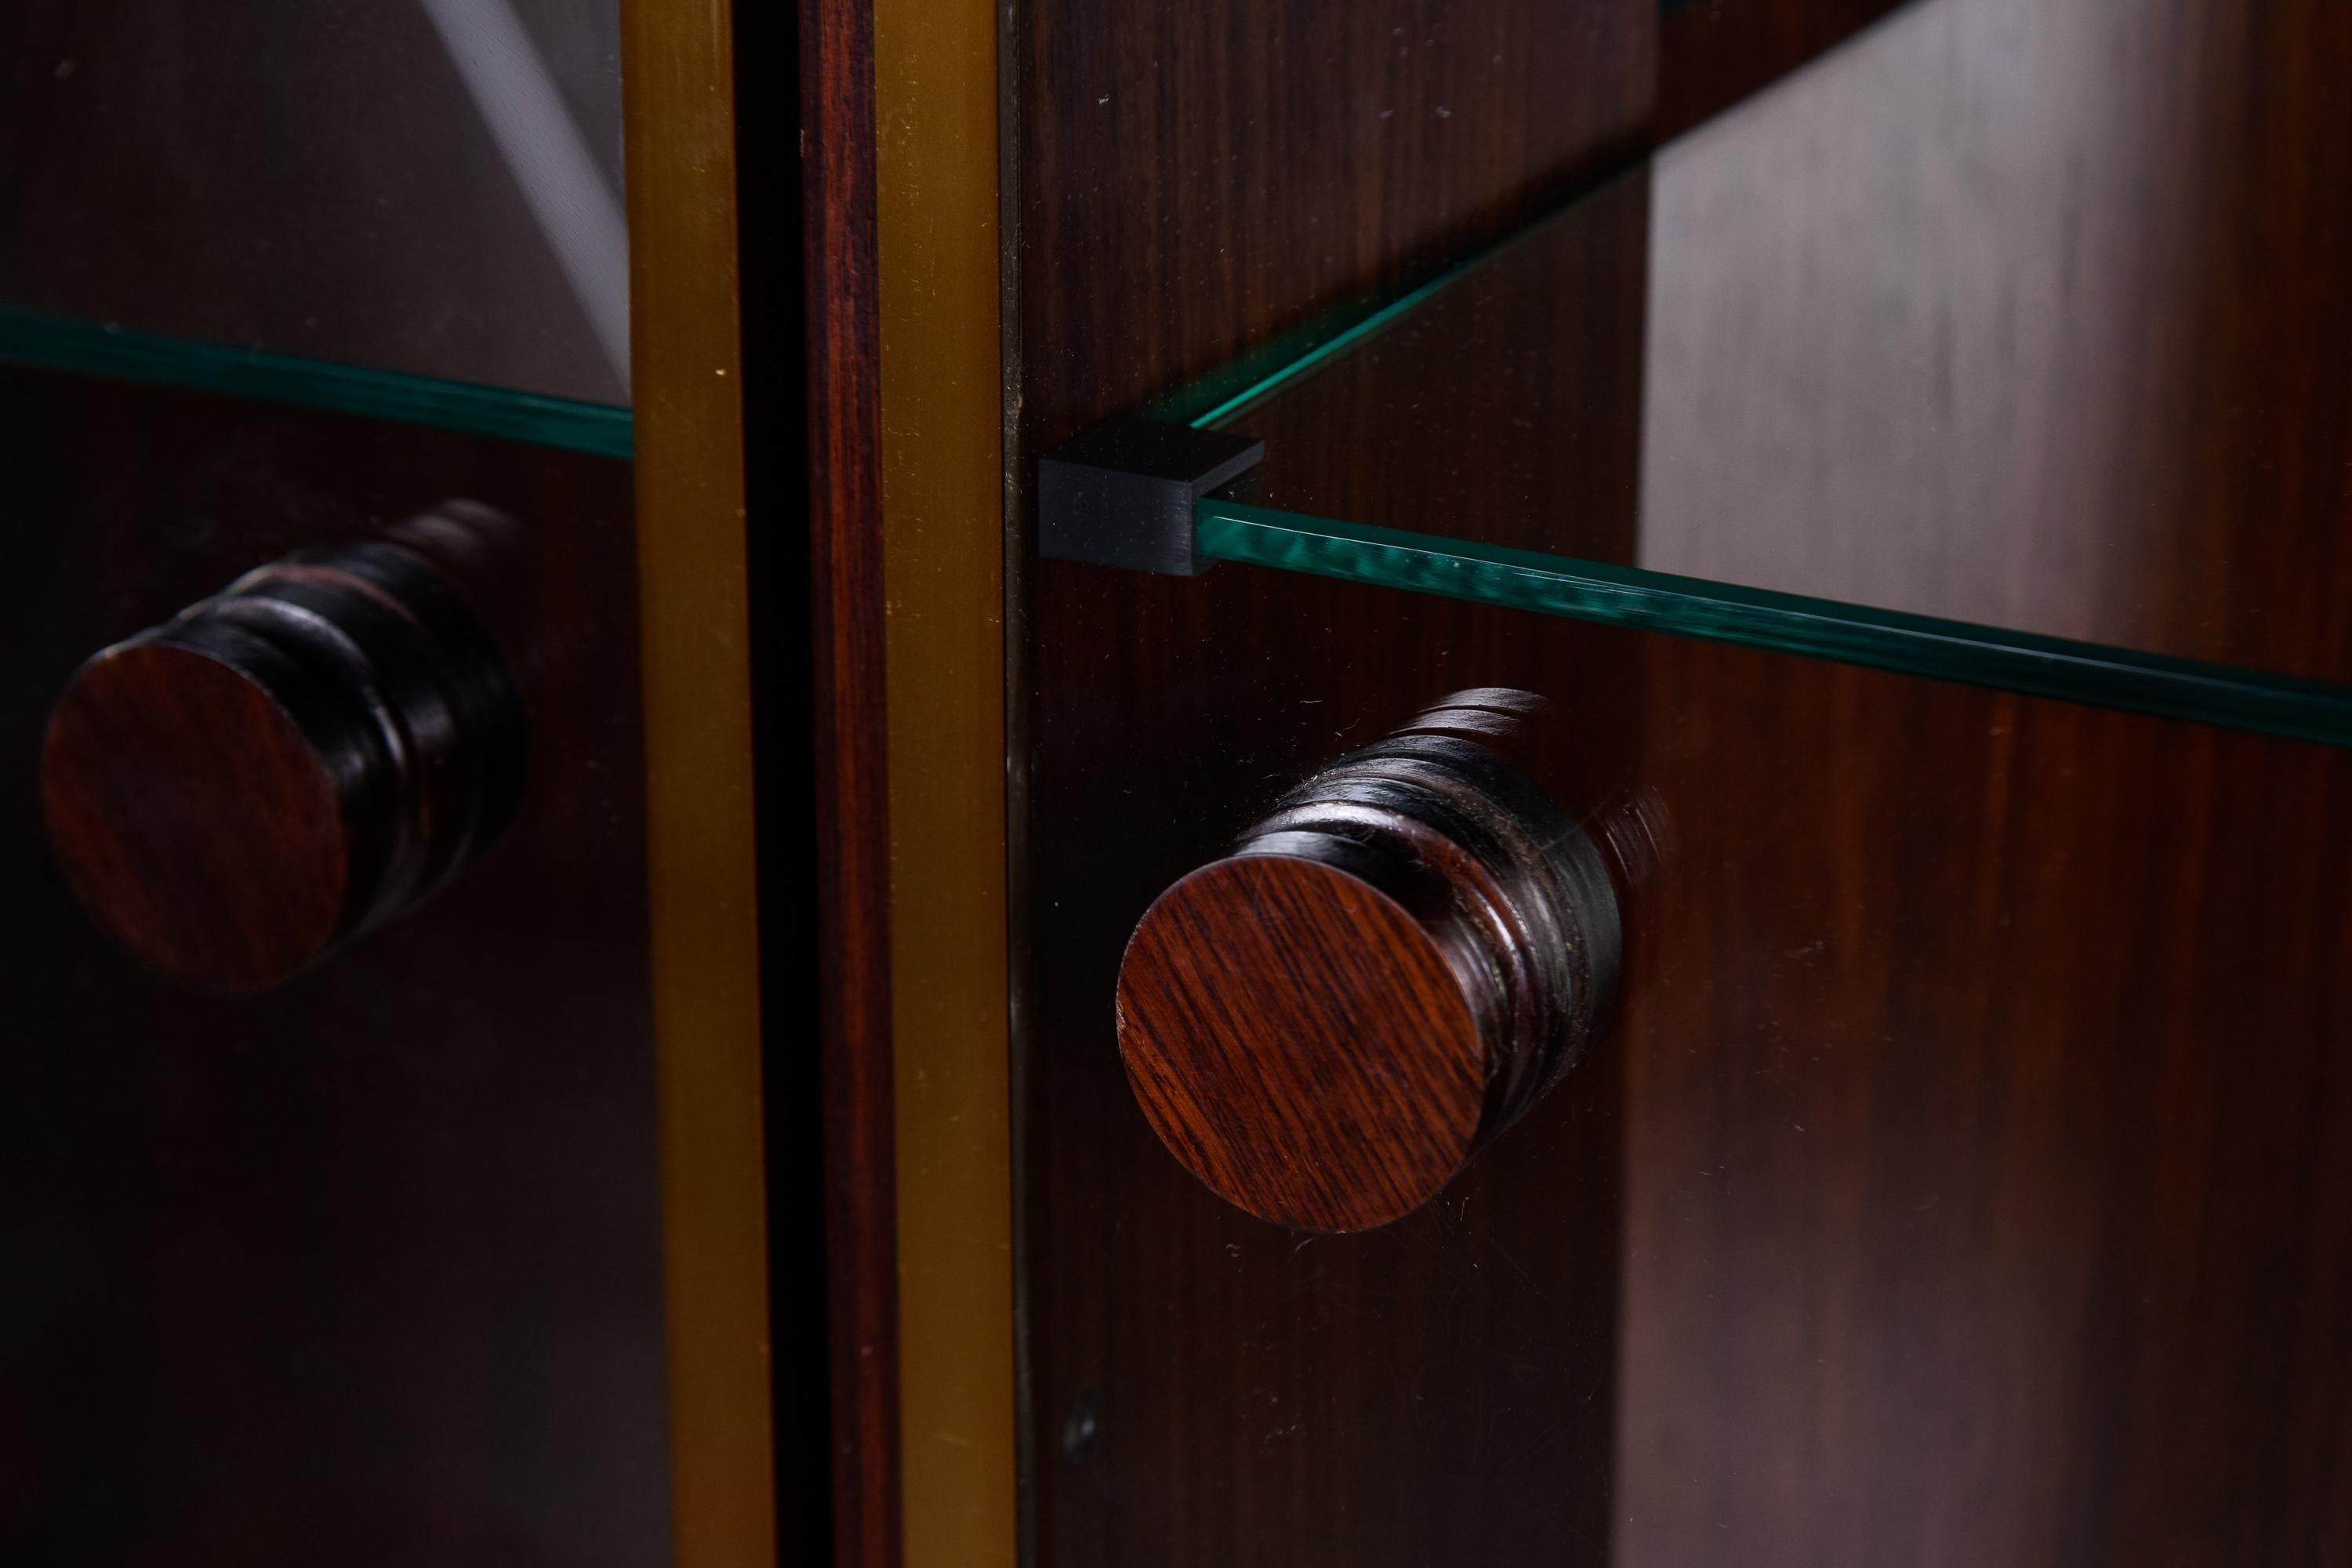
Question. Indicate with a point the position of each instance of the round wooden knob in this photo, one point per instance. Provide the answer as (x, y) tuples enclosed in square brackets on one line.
[(1388, 969), (287, 764)]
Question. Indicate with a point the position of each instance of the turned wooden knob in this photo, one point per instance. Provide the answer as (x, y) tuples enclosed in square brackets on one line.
[(1389, 968), (289, 764)]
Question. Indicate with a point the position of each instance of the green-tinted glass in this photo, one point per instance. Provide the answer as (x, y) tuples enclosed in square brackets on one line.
[(247, 198), (1723, 612), (2025, 406), (86, 348)]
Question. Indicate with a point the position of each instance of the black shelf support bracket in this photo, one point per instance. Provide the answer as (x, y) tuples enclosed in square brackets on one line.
[(1121, 492)]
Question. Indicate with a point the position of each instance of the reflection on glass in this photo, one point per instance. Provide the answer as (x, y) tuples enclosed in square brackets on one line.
[(428, 189), (1994, 317), (1921, 336)]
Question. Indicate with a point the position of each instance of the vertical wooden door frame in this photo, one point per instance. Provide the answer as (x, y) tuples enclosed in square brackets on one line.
[(905, 413), (847, 605), (880, 773)]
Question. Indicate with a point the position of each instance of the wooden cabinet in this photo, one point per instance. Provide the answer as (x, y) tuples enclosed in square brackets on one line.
[(1758, 667), (368, 1263), (1953, 1186)]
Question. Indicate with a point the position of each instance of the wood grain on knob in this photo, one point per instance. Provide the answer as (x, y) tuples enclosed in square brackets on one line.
[(190, 812), (282, 766), (1370, 1061), (1388, 969)]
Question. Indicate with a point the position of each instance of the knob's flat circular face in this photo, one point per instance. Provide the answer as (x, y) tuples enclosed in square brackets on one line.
[(193, 818), (1300, 1043)]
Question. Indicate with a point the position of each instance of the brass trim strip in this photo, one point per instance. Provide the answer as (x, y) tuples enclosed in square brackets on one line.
[(678, 81), (943, 465)]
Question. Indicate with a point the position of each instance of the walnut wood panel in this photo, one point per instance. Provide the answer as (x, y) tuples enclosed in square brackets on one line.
[(2063, 989), (841, 423), (1507, 410), (1982, 1194), (370, 1265), (1193, 178), (1436, 1391), (1188, 179), (1989, 1169), (2075, 977)]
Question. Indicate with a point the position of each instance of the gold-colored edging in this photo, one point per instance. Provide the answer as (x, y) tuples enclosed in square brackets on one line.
[(677, 75), (936, 90)]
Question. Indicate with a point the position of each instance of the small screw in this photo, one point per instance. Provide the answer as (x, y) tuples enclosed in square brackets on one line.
[(1081, 1427)]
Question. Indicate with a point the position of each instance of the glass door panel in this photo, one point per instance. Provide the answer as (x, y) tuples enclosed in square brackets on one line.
[(1982, 348), (410, 209)]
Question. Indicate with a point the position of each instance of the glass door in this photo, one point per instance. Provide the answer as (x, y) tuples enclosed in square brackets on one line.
[(362, 1264)]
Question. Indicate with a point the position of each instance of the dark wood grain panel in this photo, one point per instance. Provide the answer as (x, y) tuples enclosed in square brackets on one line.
[(1988, 1197), (370, 1264), (1188, 179), (1437, 1390), (2077, 978), (1981, 1193), (843, 411), (1193, 179), (1507, 410)]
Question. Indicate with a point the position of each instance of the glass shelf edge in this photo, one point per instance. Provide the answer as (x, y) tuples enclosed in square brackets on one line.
[(1250, 380), (2023, 662), (91, 348), (1242, 383)]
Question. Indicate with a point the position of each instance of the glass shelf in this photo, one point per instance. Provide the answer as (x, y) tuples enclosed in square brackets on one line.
[(1722, 612), (88, 348), (430, 190), (1934, 357)]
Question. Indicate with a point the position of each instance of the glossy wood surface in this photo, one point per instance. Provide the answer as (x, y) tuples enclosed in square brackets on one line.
[(367, 1267), (1982, 1193), (841, 423), (1439, 1390), (1508, 409), (1988, 1195), (1186, 187), (1192, 180), (2051, 376), (1983, 1186)]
